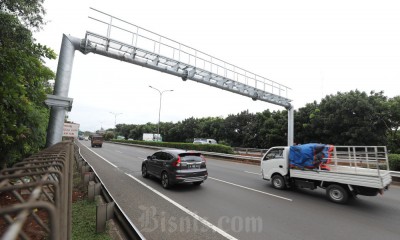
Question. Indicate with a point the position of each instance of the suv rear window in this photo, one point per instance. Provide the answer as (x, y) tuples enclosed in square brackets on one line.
[(190, 157)]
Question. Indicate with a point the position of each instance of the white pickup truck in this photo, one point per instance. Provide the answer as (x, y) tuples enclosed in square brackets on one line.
[(342, 170)]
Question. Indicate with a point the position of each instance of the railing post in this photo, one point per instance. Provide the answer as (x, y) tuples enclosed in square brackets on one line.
[(70, 161)]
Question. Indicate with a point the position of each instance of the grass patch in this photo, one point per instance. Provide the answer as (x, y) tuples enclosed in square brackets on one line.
[(84, 213), (84, 222)]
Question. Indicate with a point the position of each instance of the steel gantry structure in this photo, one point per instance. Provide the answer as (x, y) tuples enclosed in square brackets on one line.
[(124, 41)]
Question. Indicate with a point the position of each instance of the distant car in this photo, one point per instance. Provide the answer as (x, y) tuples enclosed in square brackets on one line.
[(204, 141), (176, 166), (80, 137)]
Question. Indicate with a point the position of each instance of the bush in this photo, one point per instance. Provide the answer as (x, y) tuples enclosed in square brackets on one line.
[(394, 162), (187, 146)]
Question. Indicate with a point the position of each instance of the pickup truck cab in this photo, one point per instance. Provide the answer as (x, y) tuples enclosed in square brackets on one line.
[(342, 170)]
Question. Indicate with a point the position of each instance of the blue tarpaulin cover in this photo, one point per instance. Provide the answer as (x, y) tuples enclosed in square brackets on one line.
[(311, 156)]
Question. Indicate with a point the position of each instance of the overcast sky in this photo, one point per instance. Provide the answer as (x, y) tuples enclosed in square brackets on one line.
[(314, 47)]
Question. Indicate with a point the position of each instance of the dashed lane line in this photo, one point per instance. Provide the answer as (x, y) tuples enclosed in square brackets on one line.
[(251, 189), (252, 173), (195, 216)]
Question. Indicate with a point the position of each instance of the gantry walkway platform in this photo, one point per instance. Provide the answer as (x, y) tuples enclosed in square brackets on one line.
[(127, 42)]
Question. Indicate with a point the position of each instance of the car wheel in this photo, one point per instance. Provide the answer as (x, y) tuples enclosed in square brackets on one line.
[(197, 183), (337, 194), (145, 174), (165, 180), (278, 182)]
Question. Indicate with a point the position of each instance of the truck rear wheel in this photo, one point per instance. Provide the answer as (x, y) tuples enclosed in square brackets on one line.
[(337, 194), (278, 182)]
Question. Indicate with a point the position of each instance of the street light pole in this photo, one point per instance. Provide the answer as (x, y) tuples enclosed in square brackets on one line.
[(159, 110), (115, 121)]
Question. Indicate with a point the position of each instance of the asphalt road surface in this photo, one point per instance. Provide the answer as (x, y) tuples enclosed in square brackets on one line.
[(235, 203)]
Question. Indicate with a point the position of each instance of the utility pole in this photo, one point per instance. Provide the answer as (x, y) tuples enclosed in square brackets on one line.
[(115, 119)]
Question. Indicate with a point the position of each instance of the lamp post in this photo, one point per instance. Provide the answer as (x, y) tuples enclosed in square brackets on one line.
[(115, 122), (159, 111)]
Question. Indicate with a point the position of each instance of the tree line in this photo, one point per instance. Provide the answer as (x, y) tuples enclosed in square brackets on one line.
[(351, 118), (23, 80)]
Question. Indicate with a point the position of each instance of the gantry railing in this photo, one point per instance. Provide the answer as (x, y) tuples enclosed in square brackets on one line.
[(119, 39)]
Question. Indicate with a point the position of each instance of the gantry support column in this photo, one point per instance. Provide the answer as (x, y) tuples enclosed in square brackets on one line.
[(61, 87)]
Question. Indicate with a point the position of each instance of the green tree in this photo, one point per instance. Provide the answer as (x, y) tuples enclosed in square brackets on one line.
[(209, 127), (23, 84), (188, 129), (271, 129), (352, 118), (174, 133), (394, 124), (164, 130), (303, 127), (238, 127), (109, 135), (31, 12), (123, 130)]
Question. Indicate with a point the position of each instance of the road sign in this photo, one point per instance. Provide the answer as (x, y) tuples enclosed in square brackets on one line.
[(71, 130)]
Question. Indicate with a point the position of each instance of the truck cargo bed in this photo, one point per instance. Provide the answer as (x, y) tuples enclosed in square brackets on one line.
[(347, 175), (354, 165)]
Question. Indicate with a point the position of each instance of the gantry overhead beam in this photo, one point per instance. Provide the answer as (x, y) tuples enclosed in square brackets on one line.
[(118, 39), (127, 42)]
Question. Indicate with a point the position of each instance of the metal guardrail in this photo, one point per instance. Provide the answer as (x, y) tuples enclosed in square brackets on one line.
[(214, 154), (395, 174), (36, 195), (255, 151)]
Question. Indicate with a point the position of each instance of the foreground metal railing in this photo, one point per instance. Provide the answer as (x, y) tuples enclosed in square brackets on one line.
[(36, 195)]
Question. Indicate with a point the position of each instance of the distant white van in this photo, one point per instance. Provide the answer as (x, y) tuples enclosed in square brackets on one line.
[(204, 141), (152, 137)]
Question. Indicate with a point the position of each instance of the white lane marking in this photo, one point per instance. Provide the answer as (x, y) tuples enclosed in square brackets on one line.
[(251, 189), (118, 151), (102, 157), (252, 173), (141, 158), (195, 216)]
